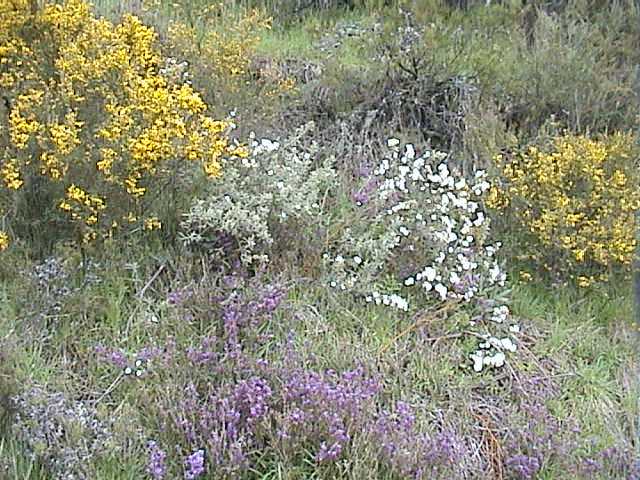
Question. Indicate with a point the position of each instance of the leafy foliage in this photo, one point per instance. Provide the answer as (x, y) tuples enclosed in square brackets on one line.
[(279, 187)]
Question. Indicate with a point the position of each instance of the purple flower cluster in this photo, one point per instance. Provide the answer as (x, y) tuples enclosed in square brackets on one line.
[(205, 353), (537, 438), (194, 465), (156, 467), (235, 406), (411, 452), (363, 195), (112, 356), (523, 466), (286, 409), (179, 297), (325, 407), (241, 315), (67, 436)]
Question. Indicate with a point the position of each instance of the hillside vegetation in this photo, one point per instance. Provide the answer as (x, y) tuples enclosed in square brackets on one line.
[(329, 239)]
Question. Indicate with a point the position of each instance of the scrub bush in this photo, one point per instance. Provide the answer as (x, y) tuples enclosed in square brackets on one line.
[(279, 188), (572, 204), (93, 129)]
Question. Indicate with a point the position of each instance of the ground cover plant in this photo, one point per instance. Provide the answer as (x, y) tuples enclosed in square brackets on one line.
[(324, 239)]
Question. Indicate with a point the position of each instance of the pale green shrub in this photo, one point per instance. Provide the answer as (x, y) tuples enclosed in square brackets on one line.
[(279, 184)]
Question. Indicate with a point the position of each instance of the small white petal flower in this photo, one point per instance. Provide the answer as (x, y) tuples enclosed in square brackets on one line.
[(429, 273), (409, 281), (393, 142), (477, 361), (508, 345), (357, 260), (460, 184), (496, 360), (479, 220), (442, 291), (409, 152)]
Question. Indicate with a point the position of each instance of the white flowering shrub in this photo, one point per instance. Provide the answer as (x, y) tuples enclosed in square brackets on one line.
[(424, 239), (277, 185)]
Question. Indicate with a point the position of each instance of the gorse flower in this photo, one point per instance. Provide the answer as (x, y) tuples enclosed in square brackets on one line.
[(574, 203), (91, 114), (4, 241)]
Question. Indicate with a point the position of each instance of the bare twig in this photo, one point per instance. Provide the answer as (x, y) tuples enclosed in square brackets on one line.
[(151, 280)]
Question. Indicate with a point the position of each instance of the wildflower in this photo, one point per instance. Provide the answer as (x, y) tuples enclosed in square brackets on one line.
[(573, 228), (525, 466), (152, 223), (123, 163), (4, 241), (442, 290), (156, 466), (194, 464)]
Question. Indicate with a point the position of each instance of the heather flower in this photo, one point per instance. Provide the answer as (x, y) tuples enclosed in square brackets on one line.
[(525, 467), (156, 466), (194, 465), (67, 436), (112, 356)]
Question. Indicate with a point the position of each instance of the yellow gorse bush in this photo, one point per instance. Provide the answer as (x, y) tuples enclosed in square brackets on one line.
[(219, 46), (576, 203), (224, 52), (85, 107)]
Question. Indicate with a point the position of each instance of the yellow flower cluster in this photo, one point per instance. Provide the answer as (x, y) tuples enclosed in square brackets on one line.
[(224, 52), (90, 112), (82, 206), (576, 202), (220, 48), (4, 241)]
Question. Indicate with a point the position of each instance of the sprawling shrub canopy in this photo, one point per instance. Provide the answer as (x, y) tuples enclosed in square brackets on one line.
[(575, 202), (87, 113)]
